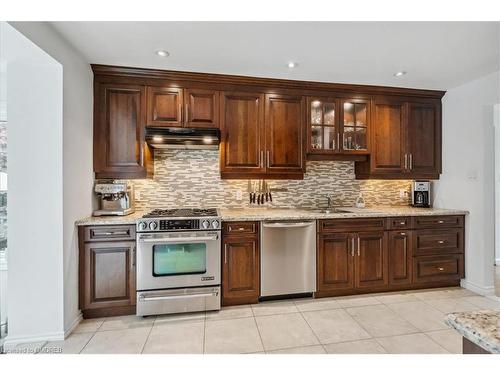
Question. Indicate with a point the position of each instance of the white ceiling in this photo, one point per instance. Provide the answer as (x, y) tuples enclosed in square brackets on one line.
[(438, 55)]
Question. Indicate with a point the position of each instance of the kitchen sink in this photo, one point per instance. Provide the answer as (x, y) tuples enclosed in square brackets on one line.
[(329, 210)]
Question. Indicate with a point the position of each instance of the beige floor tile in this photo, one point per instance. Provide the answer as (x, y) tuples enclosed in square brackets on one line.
[(427, 295), (380, 321), (125, 322), (483, 302), (285, 331), (420, 314), (450, 305), (396, 298), (314, 349), (417, 343), (71, 345), (177, 337), (124, 341), (232, 336), (449, 339), (461, 292), (88, 325), (334, 326), (355, 347), (355, 301), (315, 304), (195, 316), (274, 308), (230, 313)]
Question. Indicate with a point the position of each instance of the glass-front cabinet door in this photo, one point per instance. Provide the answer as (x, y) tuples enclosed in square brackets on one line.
[(355, 119), (323, 126)]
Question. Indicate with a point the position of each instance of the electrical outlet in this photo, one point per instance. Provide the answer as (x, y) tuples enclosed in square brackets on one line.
[(138, 196), (239, 195), (403, 193)]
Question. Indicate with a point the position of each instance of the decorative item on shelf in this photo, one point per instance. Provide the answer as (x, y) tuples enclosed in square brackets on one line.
[(360, 201)]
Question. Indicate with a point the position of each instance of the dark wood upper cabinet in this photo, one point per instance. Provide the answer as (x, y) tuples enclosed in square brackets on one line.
[(165, 106), (119, 147), (242, 120), (354, 126), (202, 108), (424, 139), (284, 134), (405, 140)]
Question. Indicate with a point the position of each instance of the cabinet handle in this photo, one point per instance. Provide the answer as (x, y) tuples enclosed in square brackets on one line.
[(338, 141), (411, 162), (402, 234), (359, 245), (440, 221), (267, 158), (134, 256), (225, 253), (262, 158), (402, 222), (440, 269), (241, 228), (406, 161), (441, 241), (352, 246)]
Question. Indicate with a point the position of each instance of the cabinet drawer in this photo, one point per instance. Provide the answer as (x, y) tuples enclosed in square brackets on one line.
[(438, 268), (109, 233), (351, 225), (438, 222), (240, 227), (399, 222), (438, 241)]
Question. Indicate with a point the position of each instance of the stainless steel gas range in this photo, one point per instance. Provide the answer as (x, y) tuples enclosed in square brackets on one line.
[(178, 261)]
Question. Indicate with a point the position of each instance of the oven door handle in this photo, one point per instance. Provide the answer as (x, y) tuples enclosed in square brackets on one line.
[(178, 239), (143, 298)]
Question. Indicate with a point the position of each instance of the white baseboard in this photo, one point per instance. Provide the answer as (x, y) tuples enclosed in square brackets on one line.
[(484, 291), (73, 325), (12, 341)]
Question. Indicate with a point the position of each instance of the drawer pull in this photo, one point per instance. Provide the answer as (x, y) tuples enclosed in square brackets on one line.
[(440, 269), (112, 233), (402, 234), (440, 221), (402, 222), (240, 229), (441, 241)]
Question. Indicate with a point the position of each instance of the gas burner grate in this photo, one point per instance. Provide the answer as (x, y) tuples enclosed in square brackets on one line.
[(182, 212)]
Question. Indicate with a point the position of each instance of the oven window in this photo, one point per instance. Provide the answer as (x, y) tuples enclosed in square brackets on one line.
[(179, 259)]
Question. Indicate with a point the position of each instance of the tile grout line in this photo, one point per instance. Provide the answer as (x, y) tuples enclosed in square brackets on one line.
[(204, 332), (258, 330), (91, 337), (312, 330), (149, 334)]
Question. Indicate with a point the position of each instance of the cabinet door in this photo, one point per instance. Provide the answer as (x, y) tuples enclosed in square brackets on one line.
[(109, 275), (335, 262), (354, 126), (240, 270), (323, 126), (400, 257), (371, 260), (242, 117), (165, 106), (284, 127), (387, 138), (424, 139), (119, 147), (202, 108)]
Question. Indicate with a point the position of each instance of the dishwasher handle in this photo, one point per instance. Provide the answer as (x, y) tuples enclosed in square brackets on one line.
[(287, 224)]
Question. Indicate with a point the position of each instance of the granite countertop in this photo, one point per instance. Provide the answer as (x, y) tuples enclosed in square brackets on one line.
[(480, 327), (266, 213)]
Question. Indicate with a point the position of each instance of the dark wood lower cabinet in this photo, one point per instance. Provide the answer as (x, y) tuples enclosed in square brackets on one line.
[(335, 263), (400, 257), (107, 278), (240, 269)]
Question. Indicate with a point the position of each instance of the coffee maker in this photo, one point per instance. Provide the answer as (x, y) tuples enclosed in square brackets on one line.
[(116, 198), (421, 194)]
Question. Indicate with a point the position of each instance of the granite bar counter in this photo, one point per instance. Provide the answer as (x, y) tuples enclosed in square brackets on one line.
[(481, 328), (266, 213)]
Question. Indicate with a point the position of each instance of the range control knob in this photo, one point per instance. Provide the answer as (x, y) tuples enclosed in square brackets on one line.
[(215, 224), (205, 224), (153, 225), (143, 225)]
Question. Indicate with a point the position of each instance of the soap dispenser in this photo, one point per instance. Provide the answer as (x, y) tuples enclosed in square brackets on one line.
[(360, 201)]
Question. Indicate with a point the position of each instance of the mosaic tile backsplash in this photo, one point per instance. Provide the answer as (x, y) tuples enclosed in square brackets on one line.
[(190, 178)]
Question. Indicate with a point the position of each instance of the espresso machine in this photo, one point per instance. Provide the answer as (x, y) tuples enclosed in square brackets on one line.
[(116, 198), (421, 193)]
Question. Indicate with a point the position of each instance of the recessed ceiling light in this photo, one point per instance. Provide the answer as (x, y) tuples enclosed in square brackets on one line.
[(162, 53), (292, 64), (399, 74)]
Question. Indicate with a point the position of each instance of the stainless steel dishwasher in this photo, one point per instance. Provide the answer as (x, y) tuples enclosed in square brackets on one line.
[(288, 257)]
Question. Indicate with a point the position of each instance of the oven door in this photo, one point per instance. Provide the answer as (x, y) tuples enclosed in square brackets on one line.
[(178, 260)]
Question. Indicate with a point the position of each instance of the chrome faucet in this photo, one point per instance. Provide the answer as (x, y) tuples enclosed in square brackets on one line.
[(329, 197)]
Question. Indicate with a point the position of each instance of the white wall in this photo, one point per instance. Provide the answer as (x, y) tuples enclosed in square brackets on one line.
[(467, 181), (77, 149), (496, 116), (35, 211)]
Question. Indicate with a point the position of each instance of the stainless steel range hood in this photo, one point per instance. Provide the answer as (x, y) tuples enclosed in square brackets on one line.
[(183, 138)]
